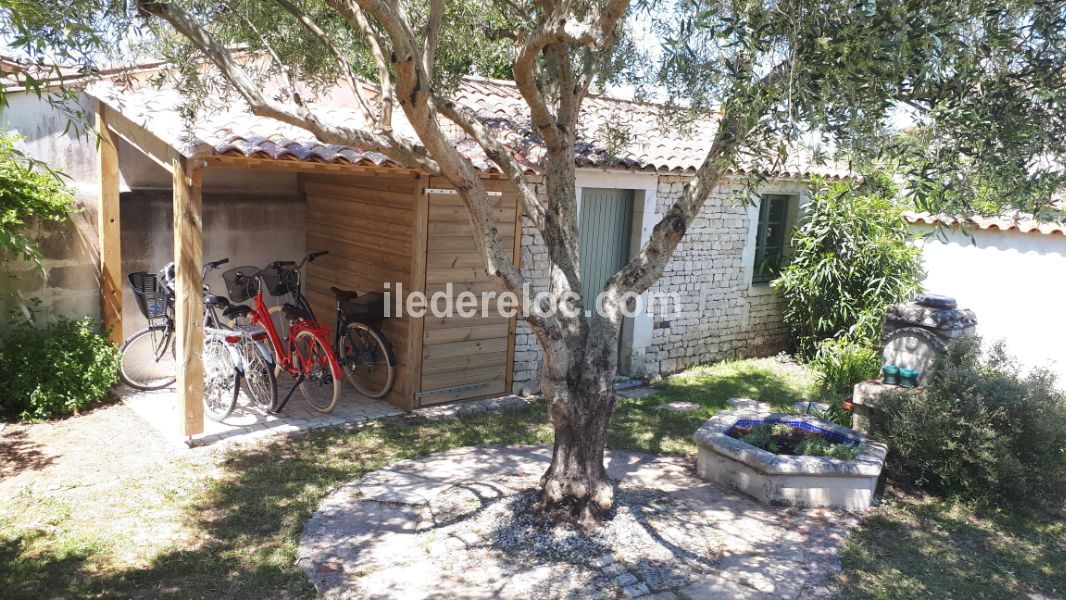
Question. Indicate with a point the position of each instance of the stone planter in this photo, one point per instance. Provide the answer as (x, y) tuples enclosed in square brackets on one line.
[(810, 481)]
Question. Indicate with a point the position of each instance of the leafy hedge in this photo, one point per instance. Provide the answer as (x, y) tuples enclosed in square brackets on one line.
[(851, 259), (979, 430), (54, 370)]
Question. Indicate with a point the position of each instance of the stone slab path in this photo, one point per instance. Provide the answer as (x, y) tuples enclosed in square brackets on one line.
[(452, 525)]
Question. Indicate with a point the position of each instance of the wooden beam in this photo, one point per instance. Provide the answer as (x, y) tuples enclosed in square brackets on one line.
[(419, 256), (143, 140), (270, 164), (109, 228), (189, 311), (512, 327)]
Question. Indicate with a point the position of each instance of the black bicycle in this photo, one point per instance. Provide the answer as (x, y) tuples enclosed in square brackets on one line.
[(363, 351), (235, 358)]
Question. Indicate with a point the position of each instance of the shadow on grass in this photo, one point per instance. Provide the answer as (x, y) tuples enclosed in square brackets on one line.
[(639, 423), (19, 453), (921, 547), (247, 522)]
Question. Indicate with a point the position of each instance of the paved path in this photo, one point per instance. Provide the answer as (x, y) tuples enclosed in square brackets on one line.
[(445, 526)]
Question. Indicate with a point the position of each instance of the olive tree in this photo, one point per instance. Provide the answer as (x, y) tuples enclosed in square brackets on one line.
[(985, 75)]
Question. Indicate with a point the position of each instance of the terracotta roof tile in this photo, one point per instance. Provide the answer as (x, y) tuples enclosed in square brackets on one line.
[(632, 130), (1019, 222)]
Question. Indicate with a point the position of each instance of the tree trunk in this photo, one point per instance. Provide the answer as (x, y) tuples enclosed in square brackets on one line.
[(579, 386)]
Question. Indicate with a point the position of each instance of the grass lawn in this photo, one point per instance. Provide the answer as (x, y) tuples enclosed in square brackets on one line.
[(227, 526)]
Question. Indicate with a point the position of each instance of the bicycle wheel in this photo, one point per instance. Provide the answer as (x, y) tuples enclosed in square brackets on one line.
[(220, 379), (312, 358), (364, 356), (259, 383), (148, 359)]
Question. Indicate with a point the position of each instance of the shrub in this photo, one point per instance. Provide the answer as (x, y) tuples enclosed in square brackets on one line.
[(27, 194), (851, 259), (979, 430), (54, 370), (841, 364)]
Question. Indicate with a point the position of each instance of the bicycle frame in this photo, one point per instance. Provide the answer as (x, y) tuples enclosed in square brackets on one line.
[(285, 355)]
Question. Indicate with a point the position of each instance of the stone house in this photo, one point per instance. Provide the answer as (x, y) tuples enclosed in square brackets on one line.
[(272, 191)]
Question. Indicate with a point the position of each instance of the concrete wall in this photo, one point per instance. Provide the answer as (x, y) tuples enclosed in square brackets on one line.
[(68, 283), (254, 216), (1015, 282), (249, 229), (722, 313)]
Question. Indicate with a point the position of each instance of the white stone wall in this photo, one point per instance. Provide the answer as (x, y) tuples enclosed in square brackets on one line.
[(1015, 283), (722, 314), (527, 352)]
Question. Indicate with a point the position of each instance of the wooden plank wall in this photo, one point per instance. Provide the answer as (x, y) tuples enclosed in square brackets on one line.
[(368, 223), (460, 351)]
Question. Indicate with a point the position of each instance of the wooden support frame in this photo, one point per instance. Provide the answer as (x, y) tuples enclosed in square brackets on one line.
[(418, 285), (189, 312), (109, 228)]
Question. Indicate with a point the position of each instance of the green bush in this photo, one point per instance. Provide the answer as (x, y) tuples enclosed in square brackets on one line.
[(851, 259), (840, 364), (29, 191), (54, 370), (979, 430)]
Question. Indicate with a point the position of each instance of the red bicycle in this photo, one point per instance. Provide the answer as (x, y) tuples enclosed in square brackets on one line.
[(304, 352)]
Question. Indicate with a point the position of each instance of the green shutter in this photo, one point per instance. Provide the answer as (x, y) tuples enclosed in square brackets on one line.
[(604, 228), (770, 238)]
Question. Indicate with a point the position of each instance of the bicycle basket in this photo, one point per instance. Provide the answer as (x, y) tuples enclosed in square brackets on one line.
[(367, 308), (280, 280), (153, 299), (241, 283)]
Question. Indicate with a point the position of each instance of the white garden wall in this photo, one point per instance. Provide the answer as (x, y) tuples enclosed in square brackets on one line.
[(1014, 281)]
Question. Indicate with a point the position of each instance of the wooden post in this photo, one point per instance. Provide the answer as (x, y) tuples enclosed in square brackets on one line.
[(109, 229), (188, 262), (416, 329)]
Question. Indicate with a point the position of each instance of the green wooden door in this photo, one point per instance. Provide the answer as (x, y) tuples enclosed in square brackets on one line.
[(604, 229)]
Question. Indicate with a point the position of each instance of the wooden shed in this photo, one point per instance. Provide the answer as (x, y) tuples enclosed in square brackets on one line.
[(384, 226), (386, 230)]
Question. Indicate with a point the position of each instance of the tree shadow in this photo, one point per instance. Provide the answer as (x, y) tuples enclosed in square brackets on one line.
[(642, 423), (920, 546), (19, 453), (245, 520)]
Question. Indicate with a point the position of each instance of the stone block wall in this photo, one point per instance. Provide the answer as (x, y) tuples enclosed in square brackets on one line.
[(721, 314), (66, 282), (527, 353)]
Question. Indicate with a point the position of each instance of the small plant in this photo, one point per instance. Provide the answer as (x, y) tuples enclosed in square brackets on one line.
[(841, 364), (761, 437), (782, 438), (979, 430), (55, 369)]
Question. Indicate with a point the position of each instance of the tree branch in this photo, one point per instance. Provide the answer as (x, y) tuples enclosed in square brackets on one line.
[(349, 73), (355, 16), (498, 154), (385, 142), (648, 265), (436, 15)]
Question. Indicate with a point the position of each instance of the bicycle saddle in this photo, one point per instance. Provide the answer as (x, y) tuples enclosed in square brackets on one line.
[(213, 300), (343, 294), (295, 313), (236, 310)]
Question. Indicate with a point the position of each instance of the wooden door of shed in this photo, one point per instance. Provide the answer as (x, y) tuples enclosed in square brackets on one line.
[(466, 357)]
